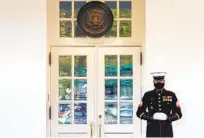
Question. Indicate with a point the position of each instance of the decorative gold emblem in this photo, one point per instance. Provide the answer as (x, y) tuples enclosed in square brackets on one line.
[(95, 18)]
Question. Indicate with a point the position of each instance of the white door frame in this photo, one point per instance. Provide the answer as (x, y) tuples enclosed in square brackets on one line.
[(49, 59)]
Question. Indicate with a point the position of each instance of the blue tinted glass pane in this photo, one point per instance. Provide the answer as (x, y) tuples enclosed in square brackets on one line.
[(111, 65), (126, 89), (77, 31), (65, 9), (65, 29), (80, 91), (80, 66), (126, 65), (111, 115), (111, 89), (65, 66), (65, 114), (126, 113), (125, 9), (65, 89), (77, 6), (113, 6), (80, 113)]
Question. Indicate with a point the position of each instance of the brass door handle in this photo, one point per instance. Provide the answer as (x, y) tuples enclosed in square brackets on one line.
[(91, 129)]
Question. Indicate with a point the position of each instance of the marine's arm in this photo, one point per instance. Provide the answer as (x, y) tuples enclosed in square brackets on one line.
[(176, 110), (141, 111)]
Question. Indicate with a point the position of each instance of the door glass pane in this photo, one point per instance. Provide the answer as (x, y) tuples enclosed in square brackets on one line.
[(65, 66), (77, 6), (65, 9), (65, 28), (126, 65), (77, 31), (80, 89), (111, 89), (65, 113), (111, 65), (126, 89), (125, 9), (80, 113), (111, 115), (126, 113), (65, 89), (113, 6), (80, 66), (125, 28), (113, 30)]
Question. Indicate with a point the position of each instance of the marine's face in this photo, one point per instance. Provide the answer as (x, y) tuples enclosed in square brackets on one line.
[(159, 81), (159, 84)]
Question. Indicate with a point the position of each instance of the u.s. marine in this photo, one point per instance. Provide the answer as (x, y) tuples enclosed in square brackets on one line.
[(159, 107)]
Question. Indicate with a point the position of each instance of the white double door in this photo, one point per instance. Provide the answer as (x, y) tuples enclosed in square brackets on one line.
[(95, 92)]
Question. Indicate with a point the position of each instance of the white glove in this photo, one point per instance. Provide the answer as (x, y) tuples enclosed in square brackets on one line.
[(160, 116)]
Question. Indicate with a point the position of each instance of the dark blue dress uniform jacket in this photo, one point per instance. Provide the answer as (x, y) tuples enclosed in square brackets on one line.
[(159, 101)]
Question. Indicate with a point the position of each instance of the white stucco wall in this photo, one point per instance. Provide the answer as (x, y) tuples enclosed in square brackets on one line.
[(175, 42), (22, 68)]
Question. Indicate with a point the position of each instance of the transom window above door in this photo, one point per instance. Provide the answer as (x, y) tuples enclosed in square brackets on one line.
[(121, 9)]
